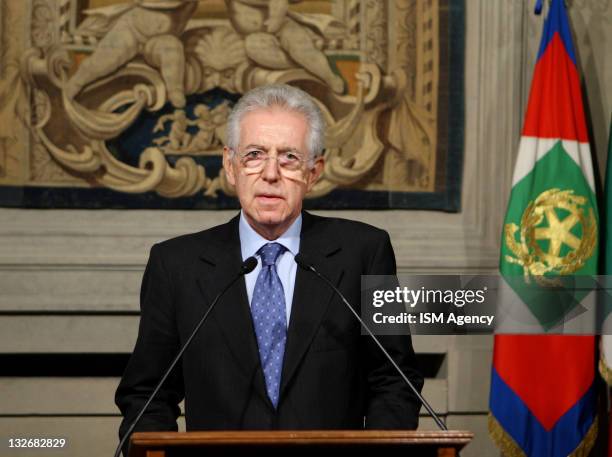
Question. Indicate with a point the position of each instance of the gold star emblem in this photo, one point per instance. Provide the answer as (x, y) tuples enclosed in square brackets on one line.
[(530, 254)]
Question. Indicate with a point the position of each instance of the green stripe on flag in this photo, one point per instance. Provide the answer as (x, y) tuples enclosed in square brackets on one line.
[(550, 230)]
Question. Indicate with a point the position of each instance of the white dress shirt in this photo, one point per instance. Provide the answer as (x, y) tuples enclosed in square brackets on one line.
[(251, 242)]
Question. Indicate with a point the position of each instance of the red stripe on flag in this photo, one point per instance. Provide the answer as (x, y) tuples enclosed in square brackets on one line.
[(555, 107), (549, 373)]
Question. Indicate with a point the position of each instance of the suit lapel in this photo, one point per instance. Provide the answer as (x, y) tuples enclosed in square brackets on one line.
[(232, 314), (311, 295), (221, 260)]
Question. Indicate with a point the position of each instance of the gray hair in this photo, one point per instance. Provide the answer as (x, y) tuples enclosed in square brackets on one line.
[(282, 96)]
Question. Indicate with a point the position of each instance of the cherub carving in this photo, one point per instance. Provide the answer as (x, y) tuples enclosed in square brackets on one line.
[(148, 27), (279, 39), (178, 136), (211, 127), (209, 122)]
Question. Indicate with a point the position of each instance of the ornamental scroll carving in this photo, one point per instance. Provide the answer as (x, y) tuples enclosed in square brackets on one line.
[(134, 96)]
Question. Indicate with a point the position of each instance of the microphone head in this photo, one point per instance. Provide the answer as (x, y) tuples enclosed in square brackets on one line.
[(248, 265), (303, 261)]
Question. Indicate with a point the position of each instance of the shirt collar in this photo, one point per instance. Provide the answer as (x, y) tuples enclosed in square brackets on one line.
[(251, 241)]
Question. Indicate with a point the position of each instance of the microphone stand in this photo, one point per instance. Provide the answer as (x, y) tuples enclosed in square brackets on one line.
[(247, 266), (301, 261)]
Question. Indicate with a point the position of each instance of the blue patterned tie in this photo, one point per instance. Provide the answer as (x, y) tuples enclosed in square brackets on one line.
[(269, 318)]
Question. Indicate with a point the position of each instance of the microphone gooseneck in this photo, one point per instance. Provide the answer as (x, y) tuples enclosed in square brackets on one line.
[(247, 266), (302, 261)]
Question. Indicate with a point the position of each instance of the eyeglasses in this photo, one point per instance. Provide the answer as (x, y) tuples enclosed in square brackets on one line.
[(254, 160)]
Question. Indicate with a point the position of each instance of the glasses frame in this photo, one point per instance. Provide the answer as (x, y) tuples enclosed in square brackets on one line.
[(261, 168)]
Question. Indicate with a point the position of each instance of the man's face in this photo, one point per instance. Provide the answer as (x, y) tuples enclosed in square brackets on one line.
[(272, 198)]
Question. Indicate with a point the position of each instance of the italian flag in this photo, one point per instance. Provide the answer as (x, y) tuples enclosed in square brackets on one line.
[(543, 397)]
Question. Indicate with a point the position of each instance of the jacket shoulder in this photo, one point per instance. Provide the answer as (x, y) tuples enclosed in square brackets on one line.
[(193, 244), (347, 229)]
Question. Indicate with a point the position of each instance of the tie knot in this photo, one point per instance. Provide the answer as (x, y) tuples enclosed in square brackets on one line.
[(270, 252)]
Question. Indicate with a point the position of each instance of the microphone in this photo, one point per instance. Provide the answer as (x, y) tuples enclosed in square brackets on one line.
[(247, 266), (302, 261)]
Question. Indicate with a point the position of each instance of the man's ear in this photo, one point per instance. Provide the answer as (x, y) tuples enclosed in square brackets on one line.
[(228, 166), (315, 172)]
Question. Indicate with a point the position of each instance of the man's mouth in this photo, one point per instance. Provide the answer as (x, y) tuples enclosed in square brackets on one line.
[(269, 196), (269, 200)]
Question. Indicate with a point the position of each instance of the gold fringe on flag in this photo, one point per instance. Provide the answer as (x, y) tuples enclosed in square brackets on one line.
[(504, 441), (585, 446), (605, 370), (509, 448)]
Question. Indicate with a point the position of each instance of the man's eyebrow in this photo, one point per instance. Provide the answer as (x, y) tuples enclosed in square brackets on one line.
[(288, 149), (264, 148), (255, 146)]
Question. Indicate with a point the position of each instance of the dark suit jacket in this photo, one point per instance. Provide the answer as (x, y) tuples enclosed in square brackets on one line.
[(332, 376)]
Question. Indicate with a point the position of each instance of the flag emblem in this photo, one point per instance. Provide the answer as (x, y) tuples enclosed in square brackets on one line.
[(555, 235)]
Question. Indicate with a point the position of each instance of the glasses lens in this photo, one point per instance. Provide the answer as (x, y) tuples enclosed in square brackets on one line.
[(255, 160), (252, 159), (290, 161)]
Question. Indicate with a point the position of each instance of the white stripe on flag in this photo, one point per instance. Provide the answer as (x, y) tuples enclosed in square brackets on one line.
[(532, 149)]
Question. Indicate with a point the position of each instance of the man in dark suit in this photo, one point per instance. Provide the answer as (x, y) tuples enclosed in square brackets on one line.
[(280, 350)]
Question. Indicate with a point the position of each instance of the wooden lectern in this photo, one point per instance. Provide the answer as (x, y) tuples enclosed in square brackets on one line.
[(318, 443)]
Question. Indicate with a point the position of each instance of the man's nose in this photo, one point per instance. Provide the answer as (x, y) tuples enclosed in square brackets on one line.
[(271, 171)]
